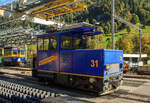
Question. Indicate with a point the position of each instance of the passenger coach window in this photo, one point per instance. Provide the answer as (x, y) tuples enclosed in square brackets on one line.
[(19, 52), (7, 52), (53, 43), (40, 44), (46, 44), (14, 52), (1, 54), (66, 42), (22, 52)]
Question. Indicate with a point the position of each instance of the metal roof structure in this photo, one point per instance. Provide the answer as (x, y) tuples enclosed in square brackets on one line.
[(18, 36), (44, 9), (37, 11)]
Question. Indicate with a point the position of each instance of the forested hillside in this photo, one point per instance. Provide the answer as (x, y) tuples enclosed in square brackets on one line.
[(127, 38), (99, 14)]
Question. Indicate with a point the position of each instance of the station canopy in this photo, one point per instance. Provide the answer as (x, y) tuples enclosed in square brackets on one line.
[(18, 36), (43, 9)]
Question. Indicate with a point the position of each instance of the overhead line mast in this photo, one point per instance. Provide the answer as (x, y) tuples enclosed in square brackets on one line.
[(115, 17), (113, 26)]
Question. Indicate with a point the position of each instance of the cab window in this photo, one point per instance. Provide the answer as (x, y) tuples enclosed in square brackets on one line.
[(53, 43), (77, 43), (40, 44), (46, 44), (81, 43), (66, 42)]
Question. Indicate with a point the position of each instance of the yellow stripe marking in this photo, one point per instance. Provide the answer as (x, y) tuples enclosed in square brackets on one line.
[(47, 60), (71, 74)]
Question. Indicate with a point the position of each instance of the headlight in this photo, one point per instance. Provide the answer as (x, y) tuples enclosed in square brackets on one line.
[(92, 80), (107, 67)]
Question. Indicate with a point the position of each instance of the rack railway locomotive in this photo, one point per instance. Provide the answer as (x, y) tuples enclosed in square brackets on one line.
[(61, 60)]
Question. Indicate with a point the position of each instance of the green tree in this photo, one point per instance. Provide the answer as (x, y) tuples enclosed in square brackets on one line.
[(100, 29), (135, 19), (128, 29), (146, 44), (87, 20), (126, 45), (94, 21)]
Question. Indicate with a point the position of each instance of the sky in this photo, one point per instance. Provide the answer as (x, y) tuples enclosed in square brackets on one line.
[(4, 2)]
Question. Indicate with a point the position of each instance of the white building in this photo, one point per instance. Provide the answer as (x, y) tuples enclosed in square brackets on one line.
[(133, 59)]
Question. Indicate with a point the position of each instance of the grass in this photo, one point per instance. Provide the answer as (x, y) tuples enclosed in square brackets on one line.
[(120, 34)]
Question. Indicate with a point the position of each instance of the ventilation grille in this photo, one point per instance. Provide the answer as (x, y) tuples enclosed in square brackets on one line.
[(114, 68)]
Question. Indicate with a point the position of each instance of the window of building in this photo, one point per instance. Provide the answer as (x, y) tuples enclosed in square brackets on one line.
[(66, 42)]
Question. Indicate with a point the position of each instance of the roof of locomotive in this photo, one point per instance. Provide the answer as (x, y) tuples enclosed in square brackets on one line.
[(76, 32)]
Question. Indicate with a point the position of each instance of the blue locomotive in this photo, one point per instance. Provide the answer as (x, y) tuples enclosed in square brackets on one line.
[(63, 60)]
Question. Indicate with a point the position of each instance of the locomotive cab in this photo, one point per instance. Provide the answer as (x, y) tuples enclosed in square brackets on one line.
[(64, 58)]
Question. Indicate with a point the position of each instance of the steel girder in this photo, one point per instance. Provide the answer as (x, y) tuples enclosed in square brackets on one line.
[(46, 8)]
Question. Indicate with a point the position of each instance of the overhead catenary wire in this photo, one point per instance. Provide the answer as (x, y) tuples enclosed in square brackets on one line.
[(136, 27)]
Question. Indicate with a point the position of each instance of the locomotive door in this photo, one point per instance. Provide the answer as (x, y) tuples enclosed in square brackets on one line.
[(48, 53), (66, 54)]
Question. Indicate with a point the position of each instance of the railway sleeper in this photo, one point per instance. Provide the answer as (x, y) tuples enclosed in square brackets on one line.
[(17, 93)]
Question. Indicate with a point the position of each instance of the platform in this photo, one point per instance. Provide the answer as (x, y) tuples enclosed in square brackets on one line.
[(16, 70)]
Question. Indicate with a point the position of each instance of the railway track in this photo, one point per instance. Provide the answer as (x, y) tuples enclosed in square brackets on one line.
[(17, 70), (11, 91), (18, 88), (15, 88)]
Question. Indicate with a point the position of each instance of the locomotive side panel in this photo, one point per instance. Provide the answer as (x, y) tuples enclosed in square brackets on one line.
[(66, 62), (88, 62), (79, 62), (47, 61)]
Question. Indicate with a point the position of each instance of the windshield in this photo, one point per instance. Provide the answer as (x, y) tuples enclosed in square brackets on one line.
[(80, 43)]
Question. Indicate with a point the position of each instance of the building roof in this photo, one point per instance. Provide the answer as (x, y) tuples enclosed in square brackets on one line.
[(134, 55)]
